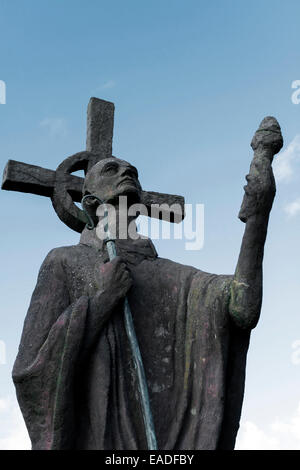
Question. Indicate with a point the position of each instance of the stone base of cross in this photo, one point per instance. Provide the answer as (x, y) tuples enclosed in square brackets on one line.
[(65, 189)]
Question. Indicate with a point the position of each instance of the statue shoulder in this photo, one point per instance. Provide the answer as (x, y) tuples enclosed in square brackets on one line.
[(62, 256), (218, 284)]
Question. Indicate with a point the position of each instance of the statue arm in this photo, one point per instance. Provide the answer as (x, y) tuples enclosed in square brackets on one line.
[(246, 286), (52, 347), (50, 308), (49, 303), (113, 281), (47, 358)]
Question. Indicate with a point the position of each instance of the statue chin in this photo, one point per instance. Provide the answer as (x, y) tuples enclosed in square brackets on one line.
[(132, 193)]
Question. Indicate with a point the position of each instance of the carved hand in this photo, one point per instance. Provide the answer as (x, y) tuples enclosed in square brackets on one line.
[(260, 190), (114, 281)]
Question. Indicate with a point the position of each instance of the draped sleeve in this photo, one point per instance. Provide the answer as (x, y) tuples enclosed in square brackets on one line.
[(44, 369)]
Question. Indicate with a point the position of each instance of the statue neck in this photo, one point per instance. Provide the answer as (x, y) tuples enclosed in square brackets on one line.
[(137, 249), (120, 224), (121, 227)]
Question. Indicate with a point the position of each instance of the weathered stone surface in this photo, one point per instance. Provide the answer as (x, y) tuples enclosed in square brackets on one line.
[(76, 382), (100, 127), (18, 176), (74, 374), (261, 189), (25, 178), (22, 177), (65, 188)]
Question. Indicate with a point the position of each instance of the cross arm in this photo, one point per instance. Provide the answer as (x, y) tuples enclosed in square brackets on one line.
[(25, 178)]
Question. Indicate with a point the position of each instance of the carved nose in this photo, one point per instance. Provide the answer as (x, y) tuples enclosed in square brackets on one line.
[(125, 172)]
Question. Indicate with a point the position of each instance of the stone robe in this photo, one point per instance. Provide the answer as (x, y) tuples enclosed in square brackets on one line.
[(85, 397)]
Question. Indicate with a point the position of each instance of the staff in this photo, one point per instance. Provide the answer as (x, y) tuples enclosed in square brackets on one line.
[(136, 354)]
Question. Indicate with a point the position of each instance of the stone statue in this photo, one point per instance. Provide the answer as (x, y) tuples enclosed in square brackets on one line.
[(74, 374)]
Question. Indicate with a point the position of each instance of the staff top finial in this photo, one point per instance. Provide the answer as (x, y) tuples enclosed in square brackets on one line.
[(268, 136)]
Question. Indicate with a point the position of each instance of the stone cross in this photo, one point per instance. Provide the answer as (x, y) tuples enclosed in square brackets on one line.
[(65, 189)]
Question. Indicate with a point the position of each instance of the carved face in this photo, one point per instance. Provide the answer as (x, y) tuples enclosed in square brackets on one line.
[(111, 178)]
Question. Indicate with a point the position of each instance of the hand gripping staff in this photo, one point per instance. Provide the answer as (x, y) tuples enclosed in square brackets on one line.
[(137, 359)]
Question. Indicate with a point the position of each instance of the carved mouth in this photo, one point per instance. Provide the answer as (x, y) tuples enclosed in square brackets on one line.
[(127, 181)]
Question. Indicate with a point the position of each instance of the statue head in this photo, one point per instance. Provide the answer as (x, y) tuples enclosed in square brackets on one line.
[(111, 178), (108, 180)]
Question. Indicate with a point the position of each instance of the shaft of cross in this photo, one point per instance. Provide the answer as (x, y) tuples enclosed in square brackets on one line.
[(130, 330)]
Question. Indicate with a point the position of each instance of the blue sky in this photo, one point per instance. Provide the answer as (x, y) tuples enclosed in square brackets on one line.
[(191, 81)]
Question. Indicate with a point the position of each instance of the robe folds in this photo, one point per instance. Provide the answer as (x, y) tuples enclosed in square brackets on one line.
[(75, 397)]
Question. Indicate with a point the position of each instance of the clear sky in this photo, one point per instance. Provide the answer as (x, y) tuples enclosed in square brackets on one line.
[(191, 81)]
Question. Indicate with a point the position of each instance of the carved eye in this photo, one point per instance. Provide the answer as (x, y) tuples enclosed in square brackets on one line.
[(110, 169)]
